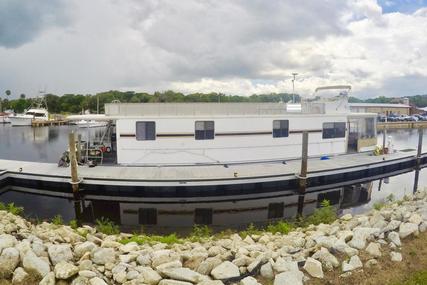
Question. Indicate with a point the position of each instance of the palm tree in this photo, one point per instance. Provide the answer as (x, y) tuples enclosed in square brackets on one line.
[(22, 96), (7, 92)]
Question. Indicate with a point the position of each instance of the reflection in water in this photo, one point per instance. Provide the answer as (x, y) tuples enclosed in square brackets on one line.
[(46, 144)]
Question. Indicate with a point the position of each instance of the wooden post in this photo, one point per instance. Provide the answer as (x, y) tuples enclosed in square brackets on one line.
[(79, 148), (73, 163), (418, 163), (303, 173), (384, 134)]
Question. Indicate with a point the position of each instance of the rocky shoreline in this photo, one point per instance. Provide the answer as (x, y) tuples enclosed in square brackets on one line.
[(51, 254)]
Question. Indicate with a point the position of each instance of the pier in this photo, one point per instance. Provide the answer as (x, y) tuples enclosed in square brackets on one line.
[(40, 123), (401, 125)]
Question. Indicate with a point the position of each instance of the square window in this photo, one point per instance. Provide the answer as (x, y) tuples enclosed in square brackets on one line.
[(276, 210), (280, 128), (204, 130), (333, 130), (203, 216), (145, 131), (147, 216)]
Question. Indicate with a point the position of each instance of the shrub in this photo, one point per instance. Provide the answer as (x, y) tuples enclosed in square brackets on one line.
[(379, 205), (11, 208), (326, 214), (279, 227), (107, 226), (57, 220), (74, 224), (250, 230)]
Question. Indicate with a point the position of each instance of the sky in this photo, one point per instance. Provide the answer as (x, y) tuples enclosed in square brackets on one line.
[(238, 47)]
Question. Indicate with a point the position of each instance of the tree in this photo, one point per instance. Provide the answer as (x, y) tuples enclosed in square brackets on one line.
[(22, 96), (7, 92)]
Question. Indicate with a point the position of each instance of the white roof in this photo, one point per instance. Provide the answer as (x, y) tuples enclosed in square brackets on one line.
[(379, 105)]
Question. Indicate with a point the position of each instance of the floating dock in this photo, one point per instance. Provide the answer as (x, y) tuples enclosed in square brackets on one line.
[(209, 183)]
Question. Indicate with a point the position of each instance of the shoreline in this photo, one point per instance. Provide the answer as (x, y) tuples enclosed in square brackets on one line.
[(51, 253)]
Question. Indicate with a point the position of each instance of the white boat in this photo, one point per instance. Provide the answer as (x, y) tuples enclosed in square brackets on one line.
[(234, 133), (90, 124), (4, 116), (32, 114)]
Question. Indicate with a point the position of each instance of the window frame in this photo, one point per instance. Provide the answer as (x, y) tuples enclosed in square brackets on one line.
[(336, 131), (206, 131), (139, 138), (283, 133)]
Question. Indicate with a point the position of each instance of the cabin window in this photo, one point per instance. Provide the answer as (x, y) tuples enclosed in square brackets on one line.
[(280, 128), (147, 216), (203, 216), (145, 131), (276, 210), (333, 130), (204, 130)]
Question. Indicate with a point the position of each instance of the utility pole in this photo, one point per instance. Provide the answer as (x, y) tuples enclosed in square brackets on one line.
[(293, 86)]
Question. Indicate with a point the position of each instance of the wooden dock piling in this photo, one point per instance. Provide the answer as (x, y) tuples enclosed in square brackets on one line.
[(418, 162), (302, 179), (73, 164)]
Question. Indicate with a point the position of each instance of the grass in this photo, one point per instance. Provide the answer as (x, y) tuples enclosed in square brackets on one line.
[(417, 278), (281, 227), (11, 208), (57, 220), (326, 214), (200, 232), (74, 224), (250, 230), (106, 226), (379, 205), (152, 239)]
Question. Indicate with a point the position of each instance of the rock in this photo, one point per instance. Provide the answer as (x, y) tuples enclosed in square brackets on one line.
[(173, 282), (423, 227), (394, 238), (328, 260), (211, 282), (282, 265), (352, 264), (49, 279), (345, 275), (407, 229), (249, 281), (374, 249), (396, 256), (415, 219), (326, 241), (370, 263), (60, 252), (266, 271), (205, 267), (87, 273), (64, 270), (144, 259), (7, 241), (129, 247), (84, 247), (9, 260), (342, 247), (33, 263), (120, 277), (313, 267), (184, 274), (289, 278), (97, 281), (360, 235), (103, 256), (173, 264), (20, 276), (86, 265), (225, 270), (346, 217), (79, 280), (132, 274), (150, 276)]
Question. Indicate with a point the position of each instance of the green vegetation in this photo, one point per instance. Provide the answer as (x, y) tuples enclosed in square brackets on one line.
[(250, 230), (152, 239), (418, 278), (107, 226), (74, 103), (326, 214), (57, 220), (11, 208), (200, 232), (379, 205), (281, 227), (74, 224)]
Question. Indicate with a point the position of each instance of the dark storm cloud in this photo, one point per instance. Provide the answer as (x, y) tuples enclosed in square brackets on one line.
[(22, 20)]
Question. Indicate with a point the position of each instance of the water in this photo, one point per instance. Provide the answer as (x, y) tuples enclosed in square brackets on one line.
[(46, 144)]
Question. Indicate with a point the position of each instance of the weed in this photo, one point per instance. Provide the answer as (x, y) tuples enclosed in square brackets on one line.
[(390, 198), (152, 239), (378, 205), (57, 220), (200, 232), (11, 208), (74, 224), (279, 227), (250, 230), (107, 226), (326, 214)]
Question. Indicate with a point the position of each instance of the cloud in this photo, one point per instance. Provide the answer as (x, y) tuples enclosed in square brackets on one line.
[(21, 21), (233, 47)]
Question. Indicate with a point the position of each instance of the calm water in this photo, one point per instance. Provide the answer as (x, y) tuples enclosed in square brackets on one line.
[(46, 144)]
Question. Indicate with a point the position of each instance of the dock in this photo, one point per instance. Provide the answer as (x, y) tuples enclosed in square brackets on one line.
[(401, 125), (40, 123), (210, 182)]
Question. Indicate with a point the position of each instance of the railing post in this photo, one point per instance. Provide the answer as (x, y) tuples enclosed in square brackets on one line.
[(418, 162), (303, 174), (79, 148), (73, 164)]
